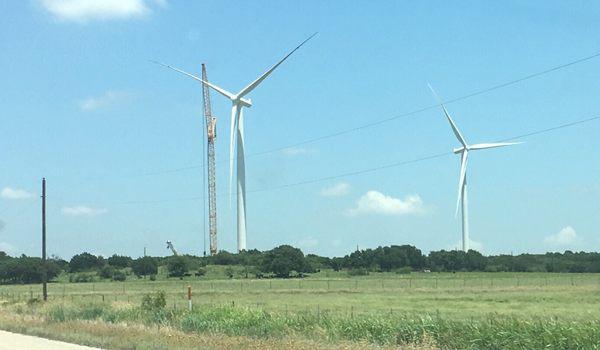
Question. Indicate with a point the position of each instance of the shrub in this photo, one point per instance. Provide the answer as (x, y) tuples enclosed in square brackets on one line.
[(154, 301), (107, 271), (358, 272), (82, 278), (403, 270), (119, 276)]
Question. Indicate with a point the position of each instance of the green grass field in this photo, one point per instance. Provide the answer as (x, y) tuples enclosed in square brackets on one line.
[(526, 305)]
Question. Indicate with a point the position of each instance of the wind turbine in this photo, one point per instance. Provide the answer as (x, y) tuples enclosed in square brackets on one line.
[(462, 181), (237, 124)]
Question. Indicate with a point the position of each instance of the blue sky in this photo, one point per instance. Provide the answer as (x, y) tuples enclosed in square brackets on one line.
[(82, 106)]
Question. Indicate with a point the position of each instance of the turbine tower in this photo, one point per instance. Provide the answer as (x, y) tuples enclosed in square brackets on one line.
[(237, 135), (462, 181)]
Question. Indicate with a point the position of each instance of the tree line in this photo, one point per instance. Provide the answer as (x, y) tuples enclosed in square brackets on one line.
[(286, 261)]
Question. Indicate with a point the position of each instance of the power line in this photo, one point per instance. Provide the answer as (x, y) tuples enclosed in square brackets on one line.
[(383, 121), (423, 109), (374, 169)]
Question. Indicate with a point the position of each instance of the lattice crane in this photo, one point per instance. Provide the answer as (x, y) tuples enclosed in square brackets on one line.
[(211, 133)]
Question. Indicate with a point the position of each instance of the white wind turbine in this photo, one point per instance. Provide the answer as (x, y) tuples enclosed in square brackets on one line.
[(462, 182), (237, 123)]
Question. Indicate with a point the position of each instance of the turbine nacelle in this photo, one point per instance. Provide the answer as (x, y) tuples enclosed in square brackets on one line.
[(459, 150), (244, 102)]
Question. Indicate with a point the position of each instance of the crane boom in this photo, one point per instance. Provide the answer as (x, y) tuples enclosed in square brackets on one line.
[(170, 246), (211, 133)]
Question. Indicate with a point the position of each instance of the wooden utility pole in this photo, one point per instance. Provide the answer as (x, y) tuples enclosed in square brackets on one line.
[(44, 267)]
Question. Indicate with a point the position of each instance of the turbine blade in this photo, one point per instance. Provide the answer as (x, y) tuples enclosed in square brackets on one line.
[(457, 133), (461, 181), (235, 109), (223, 92), (177, 70), (493, 145), (255, 83)]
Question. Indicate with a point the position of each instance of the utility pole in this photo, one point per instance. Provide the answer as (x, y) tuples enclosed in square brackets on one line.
[(44, 267)]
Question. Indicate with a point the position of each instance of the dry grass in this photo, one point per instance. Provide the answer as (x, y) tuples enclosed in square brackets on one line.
[(127, 336)]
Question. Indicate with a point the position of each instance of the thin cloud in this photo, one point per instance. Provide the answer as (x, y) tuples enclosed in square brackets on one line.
[(296, 151), (375, 202), (563, 237), (82, 210), (89, 10), (337, 190), (108, 99), (15, 193), (308, 242)]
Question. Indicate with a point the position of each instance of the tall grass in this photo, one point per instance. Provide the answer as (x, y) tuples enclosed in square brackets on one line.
[(493, 332)]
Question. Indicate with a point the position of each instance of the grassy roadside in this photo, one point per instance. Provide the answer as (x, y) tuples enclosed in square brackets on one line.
[(129, 326), (139, 337)]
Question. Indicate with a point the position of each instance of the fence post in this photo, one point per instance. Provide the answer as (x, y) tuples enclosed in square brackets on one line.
[(189, 295)]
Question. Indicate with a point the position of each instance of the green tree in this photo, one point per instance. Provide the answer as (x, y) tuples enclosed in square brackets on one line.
[(119, 261), (283, 260), (85, 262), (225, 258), (27, 270), (178, 266), (145, 266)]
